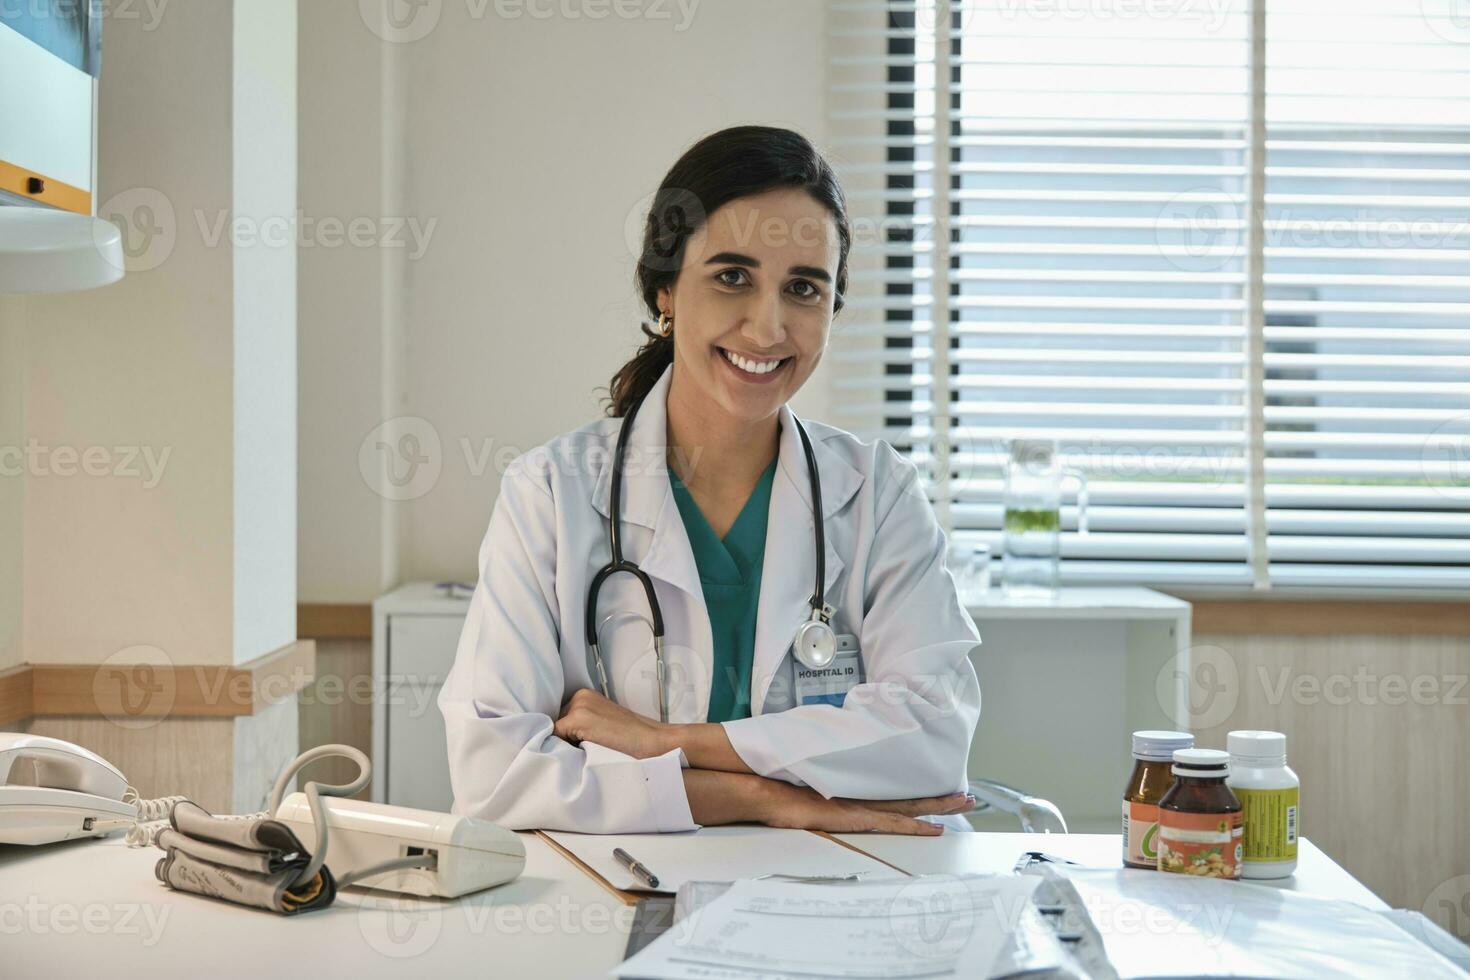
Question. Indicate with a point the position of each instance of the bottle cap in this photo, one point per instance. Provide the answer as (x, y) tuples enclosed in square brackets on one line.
[(1201, 763), (1257, 748), (1159, 746)]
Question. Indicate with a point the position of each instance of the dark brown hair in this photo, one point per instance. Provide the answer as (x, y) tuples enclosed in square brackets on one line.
[(723, 167)]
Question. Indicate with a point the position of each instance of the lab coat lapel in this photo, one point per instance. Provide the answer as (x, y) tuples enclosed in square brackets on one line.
[(648, 499), (789, 567), (654, 538)]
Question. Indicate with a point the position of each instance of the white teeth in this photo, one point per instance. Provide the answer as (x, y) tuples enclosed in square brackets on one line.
[(751, 367)]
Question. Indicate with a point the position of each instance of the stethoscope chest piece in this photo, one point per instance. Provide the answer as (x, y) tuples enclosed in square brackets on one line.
[(815, 645)]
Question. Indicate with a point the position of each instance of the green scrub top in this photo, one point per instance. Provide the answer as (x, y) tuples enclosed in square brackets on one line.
[(730, 575)]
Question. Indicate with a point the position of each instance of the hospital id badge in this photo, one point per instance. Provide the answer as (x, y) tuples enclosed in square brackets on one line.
[(830, 684)]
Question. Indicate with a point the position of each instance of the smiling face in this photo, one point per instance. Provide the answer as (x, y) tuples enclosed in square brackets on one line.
[(753, 302)]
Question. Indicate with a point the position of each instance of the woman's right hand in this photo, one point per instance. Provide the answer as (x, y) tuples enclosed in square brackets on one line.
[(721, 797)]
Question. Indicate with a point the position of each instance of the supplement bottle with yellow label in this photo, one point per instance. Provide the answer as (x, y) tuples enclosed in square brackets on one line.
[(1153, 751), (1269, 795)]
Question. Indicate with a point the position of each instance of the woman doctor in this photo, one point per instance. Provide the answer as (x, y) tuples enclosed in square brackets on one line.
[(860, 723)]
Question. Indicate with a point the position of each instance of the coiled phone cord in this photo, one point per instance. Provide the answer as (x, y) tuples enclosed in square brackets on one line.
[(152, 818), (156, 811)]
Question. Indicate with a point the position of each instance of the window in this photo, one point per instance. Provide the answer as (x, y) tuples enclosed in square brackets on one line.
[(1221, 257)]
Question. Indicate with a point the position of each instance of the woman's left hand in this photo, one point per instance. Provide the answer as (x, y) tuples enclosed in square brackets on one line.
[(590, 717)]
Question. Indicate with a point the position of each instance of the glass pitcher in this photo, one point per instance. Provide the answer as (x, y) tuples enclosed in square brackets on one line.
[(1031, 552)]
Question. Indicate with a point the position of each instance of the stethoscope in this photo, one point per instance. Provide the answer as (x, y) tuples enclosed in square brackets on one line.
[(815, 644)]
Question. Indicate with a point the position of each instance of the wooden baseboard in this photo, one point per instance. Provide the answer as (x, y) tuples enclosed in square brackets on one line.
[(15, 694), (156, 690), (1275, 617), (334, 621), (1330, 617)]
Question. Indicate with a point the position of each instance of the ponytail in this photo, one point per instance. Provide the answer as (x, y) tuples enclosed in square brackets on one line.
[(634, 379)]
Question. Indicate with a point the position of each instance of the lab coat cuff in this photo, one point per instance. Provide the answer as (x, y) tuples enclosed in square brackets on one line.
[(754, 746), (663, 777)]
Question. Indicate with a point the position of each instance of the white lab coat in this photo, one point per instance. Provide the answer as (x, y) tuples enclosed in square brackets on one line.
[(904, 732)]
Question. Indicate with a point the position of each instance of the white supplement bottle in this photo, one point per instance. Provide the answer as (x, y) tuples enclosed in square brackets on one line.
[(1269, 797)]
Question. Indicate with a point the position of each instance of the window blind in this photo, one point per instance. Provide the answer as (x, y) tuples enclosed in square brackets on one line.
[(1095, 263)]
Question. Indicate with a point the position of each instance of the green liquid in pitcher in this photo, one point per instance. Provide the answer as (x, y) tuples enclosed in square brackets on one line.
[(1022, 521)]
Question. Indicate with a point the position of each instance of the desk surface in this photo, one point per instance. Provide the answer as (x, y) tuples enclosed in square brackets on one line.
[(1316, 873), (553, 921), (94, 908)]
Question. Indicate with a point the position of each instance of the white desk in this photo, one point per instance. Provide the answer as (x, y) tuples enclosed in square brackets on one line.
[(95, 909), (1316, 873), (553, 921)]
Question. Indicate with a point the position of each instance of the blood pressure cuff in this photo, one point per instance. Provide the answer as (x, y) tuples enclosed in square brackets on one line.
[(247, 860)]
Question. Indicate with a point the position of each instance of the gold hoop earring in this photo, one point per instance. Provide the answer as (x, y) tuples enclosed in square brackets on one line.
[(665, 324)]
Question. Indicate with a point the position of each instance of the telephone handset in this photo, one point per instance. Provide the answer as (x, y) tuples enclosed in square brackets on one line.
[(52, 790)]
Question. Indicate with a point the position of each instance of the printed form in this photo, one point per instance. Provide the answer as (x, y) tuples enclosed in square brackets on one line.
[(932, 926)]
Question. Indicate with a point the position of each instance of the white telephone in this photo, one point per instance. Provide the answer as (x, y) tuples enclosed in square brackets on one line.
[(52, 790)]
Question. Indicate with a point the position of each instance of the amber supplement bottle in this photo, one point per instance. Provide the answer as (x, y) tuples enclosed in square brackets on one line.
[(1153, 753), (1199, 817)]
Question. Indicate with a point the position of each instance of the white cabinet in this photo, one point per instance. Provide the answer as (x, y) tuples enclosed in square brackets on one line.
[(1063, 685), (415, 632)]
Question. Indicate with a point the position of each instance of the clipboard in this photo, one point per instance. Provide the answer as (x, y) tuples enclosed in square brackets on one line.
[(722, 853)]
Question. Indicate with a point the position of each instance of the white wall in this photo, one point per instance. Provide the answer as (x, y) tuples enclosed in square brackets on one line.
[(144, 364), (340, 305), (529, 143), (182, 536), (264, 288), (12, 482)]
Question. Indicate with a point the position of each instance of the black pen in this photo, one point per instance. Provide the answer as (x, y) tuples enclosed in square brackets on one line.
[(636, 868)]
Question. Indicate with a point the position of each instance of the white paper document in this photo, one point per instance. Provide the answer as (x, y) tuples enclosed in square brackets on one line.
[(1168, 925), (932, 926), (720, 854)]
